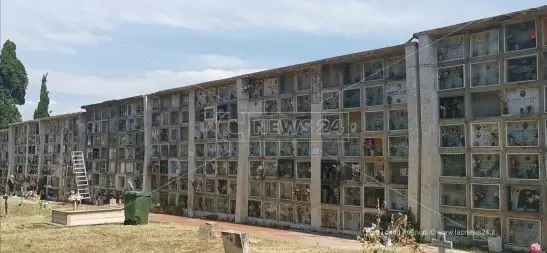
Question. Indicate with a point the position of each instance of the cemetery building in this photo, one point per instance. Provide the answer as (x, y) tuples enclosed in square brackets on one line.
[(114, 146), (450, 126), (24, 158), (482, 98), (255, 148), (59, 136), (38, 152)]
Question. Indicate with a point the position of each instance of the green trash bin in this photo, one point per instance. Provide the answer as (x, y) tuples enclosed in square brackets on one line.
[(136, 207)]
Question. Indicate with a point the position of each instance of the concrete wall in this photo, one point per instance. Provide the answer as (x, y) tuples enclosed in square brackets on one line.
[(191, 154), (430, 135), (316, 148), (414, 128), (146, 184), (243, 153)]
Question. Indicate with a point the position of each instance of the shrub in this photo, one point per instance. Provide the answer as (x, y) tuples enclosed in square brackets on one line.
[(390, 228)]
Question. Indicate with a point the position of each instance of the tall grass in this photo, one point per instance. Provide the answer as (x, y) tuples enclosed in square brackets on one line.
[(16, 209)]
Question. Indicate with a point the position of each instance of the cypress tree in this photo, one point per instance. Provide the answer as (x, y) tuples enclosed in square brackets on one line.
[(42, 109)]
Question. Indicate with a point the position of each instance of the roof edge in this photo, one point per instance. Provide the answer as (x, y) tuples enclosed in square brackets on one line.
[(295, 67), (61, 116), (46, 118), (110, 102), (484, 21)]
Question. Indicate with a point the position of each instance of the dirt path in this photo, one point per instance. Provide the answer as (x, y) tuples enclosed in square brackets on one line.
[(310, 239), (284, 235)]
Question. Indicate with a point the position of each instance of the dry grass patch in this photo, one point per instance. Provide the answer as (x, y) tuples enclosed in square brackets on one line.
[(26, 229)]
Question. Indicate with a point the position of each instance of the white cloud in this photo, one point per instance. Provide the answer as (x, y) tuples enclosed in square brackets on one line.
[(27, 110), (53, 106), (61, 24), (66, 91), (127, 86), (221, 61)]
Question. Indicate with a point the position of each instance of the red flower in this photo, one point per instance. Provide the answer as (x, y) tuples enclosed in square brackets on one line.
[(533, 34)]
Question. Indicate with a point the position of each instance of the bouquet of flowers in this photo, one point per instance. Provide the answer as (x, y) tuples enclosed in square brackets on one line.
[(535, 248)]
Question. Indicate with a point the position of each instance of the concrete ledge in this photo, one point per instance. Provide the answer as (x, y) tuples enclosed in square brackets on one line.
[(70, 217)]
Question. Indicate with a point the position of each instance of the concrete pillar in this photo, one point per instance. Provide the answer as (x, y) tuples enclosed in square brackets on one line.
[(430, 159), (191, 150), (243, 153), (82, 136), (62, 171), (147, 102), (414, 134), (11, 153), (543, 158), (27, 134), (41, 146), (316, 149), (82, 132)]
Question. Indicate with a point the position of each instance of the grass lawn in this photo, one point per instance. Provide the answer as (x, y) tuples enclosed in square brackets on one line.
[(26, 229)]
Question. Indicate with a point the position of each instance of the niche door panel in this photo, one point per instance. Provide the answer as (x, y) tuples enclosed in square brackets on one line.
[(373, 70), (485, 74), (374, 121), (524, 199), (523, 232), (523, 166), (451, 107), (373, 147), (452, 136), (398, 146), (449, 49), (374, 96), (521, 102), (451, 195), (486, 196), (522, 133), (450, 78), (303, 215), (486, 165), (329, 218), (453, 165), (485, 43), (486, 227), (396, 68), (374, 172), (485, 135), (352, 221), (520, 36), (286, 213)]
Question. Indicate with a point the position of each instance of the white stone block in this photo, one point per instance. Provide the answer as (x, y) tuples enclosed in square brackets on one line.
[(236, 242), (209, 229)]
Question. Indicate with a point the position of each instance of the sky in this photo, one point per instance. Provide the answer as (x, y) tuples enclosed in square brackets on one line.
[(97, 50)]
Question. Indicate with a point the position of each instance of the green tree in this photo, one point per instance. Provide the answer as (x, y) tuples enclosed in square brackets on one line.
[(42, 109), (8, 110), (13, 85), (13, 76)]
